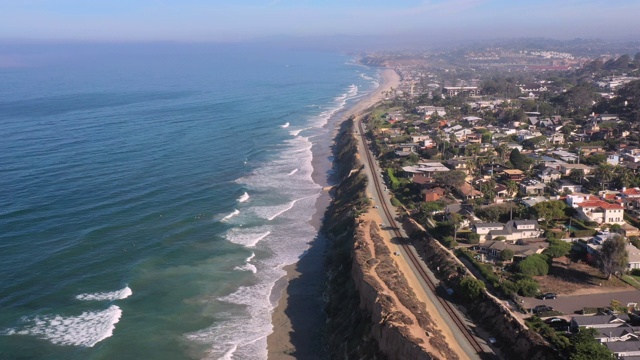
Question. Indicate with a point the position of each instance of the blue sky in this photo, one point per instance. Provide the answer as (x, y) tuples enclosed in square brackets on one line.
[(230, 20)]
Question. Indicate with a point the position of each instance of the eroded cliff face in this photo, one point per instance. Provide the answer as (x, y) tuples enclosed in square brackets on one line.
[(364, 291), (518, 341)]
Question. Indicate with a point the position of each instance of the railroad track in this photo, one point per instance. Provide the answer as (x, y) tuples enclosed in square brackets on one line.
[(412, 256)]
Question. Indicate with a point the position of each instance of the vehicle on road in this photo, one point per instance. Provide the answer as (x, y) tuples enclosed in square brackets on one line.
[(557, 323), (548, 296), (539, 309)]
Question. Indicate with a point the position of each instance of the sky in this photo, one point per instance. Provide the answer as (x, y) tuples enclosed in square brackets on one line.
[(236, 20)]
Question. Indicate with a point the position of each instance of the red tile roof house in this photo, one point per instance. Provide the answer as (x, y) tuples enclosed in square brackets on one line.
[(601, 212), (434, 194)]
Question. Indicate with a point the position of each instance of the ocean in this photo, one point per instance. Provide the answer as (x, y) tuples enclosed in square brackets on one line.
[(150, 197)]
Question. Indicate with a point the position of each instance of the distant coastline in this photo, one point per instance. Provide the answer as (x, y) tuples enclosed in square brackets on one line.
[(298, 317)]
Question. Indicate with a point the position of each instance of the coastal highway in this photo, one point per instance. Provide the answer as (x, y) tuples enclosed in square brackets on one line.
[(473, 347)]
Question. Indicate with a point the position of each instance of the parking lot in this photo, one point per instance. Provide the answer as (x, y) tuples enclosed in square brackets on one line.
[(570, 304)]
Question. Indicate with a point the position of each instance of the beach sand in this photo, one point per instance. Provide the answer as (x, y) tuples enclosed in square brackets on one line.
[(298, 318)]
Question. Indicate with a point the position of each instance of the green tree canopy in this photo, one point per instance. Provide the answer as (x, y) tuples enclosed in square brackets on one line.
[(520, 161), (471, 288), (558, 248), (584, 346), (506, 255), (452, 179), (534, 265), (613, 256), (550, 210)]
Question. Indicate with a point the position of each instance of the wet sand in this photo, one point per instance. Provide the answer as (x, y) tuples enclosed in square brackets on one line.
[(298, 318)]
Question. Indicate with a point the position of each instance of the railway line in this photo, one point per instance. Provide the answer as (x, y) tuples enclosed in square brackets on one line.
[(417, 263)]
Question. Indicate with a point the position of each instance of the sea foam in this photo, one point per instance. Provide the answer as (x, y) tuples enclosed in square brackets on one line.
[(106, 296), (234, 213), (86, 329), (243, 198), (285, 125), (248, 237)]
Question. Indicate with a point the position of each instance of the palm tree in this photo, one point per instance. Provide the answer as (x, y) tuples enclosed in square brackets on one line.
[(512, 187), (603, 174)]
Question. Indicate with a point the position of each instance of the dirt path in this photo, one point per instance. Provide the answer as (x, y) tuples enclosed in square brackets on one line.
[(372, 217)]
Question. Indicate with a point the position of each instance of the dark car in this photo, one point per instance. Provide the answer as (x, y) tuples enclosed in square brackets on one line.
[(548, 296), (557, 323), (539, 309)]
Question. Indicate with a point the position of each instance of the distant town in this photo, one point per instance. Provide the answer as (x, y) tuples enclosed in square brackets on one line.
[(525, 163)]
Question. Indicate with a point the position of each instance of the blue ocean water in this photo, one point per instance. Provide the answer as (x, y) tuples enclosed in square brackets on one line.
[(149, 199)]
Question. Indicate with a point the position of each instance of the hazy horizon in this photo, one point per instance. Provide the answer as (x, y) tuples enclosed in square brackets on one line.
[(238, 21)]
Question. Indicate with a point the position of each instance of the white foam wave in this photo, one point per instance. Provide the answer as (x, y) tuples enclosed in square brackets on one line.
[(234, 213), (292, 172), (242, 335), (86, 329), (247, 237), (243, 198), (272, 212), (297, 132), (106, 296), (285, 125), (247, 267)]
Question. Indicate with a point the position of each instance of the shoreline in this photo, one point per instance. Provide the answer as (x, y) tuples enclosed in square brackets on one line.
[(298, 317)]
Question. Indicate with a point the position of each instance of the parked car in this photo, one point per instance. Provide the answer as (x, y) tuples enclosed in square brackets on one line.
[(557, 323), (549, 296), (539, 309)]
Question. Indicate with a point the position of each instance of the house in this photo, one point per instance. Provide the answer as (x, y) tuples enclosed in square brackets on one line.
[(434, 194), (501, 191), (613, 159), (491, 169), (427, 111), (532, 187), (634, 257), (622, 333), (625, 350), (599, 321), (468, 192), (601, 212), (566, 169), (512, 231), (627, 230), (427, 169), (472, 119), (514, 174), (556, 139), (549, 174), (406, 149), (520, 251), (565, 156), (567, 186), (455, 90), (459, 164)]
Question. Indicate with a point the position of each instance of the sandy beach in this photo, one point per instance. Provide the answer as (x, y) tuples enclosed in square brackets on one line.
[(298, 318)]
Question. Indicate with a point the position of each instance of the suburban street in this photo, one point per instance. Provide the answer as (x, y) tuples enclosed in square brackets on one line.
[(570, 304)]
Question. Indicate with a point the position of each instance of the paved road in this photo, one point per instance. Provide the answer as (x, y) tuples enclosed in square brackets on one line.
[(570, 304)]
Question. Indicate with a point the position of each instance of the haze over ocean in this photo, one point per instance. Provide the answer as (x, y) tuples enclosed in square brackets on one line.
[(150, 199)]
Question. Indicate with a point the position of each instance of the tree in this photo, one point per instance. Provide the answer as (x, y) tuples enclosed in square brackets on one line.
[(534, 265), (603, 174), (550, 210), (519, 161), (487, 137), (584, 346), (527, 287), (512, 187), (506, 255), (452, 179), (473, 238), (471, 288), (557, 248), (577, 175), (613, 256)]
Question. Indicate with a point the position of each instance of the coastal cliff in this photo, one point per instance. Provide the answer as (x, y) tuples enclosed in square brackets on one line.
[(362, 322)]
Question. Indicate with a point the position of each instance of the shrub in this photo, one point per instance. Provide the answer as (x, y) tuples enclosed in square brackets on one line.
[(395, 202), (500, 238), (506, 254), (473, 238), (527, 287), (471, 288), (534, 265)]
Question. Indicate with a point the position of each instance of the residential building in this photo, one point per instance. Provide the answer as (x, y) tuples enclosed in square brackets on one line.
[(532, 187), (599, 321), (434, 194), (512, 231), (566, 169), (424, 168), (549, 174), (601, 212), (567, 186), (514, 174), (520, 251)]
